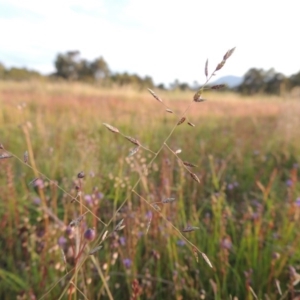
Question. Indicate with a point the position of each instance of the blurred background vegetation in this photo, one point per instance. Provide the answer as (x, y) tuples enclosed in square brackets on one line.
[(71, 67)]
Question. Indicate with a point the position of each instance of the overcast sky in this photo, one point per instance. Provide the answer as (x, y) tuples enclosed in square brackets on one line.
[(166, 39)]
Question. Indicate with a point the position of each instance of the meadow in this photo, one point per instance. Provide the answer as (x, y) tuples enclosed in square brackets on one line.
[(243, 215)]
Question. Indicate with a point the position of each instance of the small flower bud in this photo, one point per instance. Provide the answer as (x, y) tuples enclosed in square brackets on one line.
[(90, 234), (275, 255), (80, 174)]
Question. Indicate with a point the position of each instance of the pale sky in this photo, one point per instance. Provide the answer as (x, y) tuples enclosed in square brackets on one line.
[(165, 39)]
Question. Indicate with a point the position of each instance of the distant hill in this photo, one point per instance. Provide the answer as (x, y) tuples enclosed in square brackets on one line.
[(230, 80)]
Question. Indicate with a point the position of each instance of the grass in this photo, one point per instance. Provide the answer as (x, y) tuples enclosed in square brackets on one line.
[(246, 150)]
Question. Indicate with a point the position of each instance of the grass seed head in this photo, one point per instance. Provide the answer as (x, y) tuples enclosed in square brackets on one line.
[(181, 121), (168, 200), (195, 253), (133, 140), (228, 53), (133, 151), (154, 95), (206, 68), (5, 155), (189, 229), (277, 282), (111, 128), (94, 250), (148, 225), (197, 97), (206, 259), (186, 163), (195, 177), (119, 226), (26, 157), (104, 236), (220, 65), (76, 221), (156, 207)]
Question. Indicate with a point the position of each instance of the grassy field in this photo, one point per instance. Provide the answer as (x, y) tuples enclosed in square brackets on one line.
[(246, 207)]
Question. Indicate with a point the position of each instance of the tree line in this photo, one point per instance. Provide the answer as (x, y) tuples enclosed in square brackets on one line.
[(71, 67), (267, 82)]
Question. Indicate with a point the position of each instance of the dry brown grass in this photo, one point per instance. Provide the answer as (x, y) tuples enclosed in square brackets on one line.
[(94, 105), (56, 97)]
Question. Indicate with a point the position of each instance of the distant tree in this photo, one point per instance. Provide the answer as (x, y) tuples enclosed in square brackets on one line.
[(20, 74), (175, 84), (161, 86), (184, 86), (148, 82), (84, 70), (99, 68), (253, 82), (123, 79), (261, 81), (276, 83), (134, 80), (294, 80), (2, 71), (68, 65)]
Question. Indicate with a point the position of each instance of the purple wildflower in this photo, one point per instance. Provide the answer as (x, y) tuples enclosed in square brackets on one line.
[(62, 241), (122, 240), (90, 234), (226, 243), (69, 231), (36, 200), (297, 202), (289, 182), (149, 214), (127, 263), (100, 196), (181, 243), (88, 199), (38, 183), (230, 186)]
